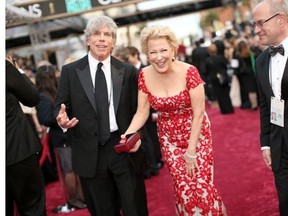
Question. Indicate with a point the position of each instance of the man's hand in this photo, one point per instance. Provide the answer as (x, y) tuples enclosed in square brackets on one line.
[(266, 153), (63, 120)]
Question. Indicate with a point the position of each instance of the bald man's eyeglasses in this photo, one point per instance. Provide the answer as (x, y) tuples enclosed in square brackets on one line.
[(260, 23)]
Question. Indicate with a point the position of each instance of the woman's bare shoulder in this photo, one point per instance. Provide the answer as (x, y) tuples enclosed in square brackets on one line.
[(147, 71), (185, 66)]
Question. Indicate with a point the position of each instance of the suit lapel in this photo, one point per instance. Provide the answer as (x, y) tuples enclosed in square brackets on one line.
[(284, 84), (86, 82), (117, 74), (264, 73)]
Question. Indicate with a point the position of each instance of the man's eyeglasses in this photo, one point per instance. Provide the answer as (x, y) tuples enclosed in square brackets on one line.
[(260, 23)]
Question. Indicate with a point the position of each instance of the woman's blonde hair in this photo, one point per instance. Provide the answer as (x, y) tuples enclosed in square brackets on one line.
[(156, 32)]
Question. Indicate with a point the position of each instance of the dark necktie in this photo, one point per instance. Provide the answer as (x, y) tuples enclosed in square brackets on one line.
[(273, 50), (101, 97)]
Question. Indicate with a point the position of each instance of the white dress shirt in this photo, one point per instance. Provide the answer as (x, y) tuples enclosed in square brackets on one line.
[(107, 72), (276, 70)]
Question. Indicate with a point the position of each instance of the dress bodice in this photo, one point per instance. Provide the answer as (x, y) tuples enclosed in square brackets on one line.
[(174, 112)]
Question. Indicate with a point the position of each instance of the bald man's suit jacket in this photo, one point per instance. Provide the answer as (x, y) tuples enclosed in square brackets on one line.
[(271, 135)]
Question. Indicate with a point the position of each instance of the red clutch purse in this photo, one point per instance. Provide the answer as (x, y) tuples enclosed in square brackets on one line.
[(126, 144)]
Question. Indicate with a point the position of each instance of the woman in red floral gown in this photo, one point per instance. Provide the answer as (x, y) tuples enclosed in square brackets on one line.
[(176, 91)]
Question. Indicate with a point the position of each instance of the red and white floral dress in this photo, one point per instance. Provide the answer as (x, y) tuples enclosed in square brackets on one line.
[(195, 195)]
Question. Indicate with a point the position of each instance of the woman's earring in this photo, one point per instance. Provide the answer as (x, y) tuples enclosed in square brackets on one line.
[(173, 59)]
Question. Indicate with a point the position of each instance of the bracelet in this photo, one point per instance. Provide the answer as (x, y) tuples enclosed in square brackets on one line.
[(191, 156)]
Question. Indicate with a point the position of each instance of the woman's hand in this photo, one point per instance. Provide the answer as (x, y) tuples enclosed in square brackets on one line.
[(191, 163), (135, 147), (42, 131)]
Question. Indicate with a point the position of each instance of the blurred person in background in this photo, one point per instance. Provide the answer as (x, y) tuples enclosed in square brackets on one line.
[(198, 57), (134, 57), (182, 54), (246, 75), (216, 69), (121, 53), (253, 43), (46, 83)]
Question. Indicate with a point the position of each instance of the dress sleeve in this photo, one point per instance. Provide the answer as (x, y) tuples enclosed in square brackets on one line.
[(141, 83), (193, 78)]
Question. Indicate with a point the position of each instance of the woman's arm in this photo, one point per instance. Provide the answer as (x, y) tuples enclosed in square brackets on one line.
[(197, 97), (141, 114)]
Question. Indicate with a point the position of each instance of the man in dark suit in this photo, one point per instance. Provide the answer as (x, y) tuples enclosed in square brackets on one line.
[(199, 56), (271, 26), (24, 180), (110, 181)]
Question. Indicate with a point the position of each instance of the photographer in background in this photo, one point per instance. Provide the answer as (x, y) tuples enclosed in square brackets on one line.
[(24, 181)]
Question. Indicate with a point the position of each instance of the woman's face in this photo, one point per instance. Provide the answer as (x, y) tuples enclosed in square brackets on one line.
[(160, 54), (101, 43)]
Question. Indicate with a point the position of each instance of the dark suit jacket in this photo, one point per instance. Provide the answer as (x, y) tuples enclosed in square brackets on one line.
[(21, 140), (199, 55), (271, 135), (76, 92), (214, 65)]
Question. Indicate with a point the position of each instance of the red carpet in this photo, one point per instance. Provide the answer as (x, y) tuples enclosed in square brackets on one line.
[(244, 182)]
